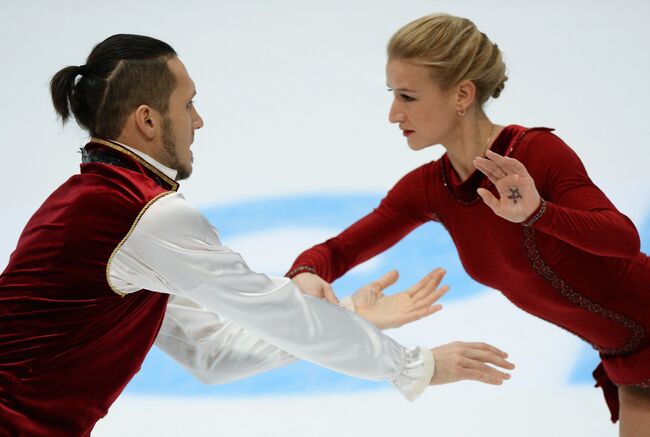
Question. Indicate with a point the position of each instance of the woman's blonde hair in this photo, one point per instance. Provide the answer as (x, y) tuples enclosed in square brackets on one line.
[(454, 50)]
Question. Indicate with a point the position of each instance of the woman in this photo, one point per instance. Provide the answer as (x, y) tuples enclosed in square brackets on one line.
[(518, 203)]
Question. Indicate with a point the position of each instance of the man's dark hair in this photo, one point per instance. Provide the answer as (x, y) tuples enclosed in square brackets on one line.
[(121, 73)]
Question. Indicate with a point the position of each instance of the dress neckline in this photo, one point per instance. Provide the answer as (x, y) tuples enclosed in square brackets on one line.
[(465, 191)]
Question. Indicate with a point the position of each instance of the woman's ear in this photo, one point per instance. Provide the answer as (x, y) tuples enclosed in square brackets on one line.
[(465, 96)]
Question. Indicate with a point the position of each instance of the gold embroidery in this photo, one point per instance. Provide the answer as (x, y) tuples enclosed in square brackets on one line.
[(542, 269), (128, 234), (142, 162)]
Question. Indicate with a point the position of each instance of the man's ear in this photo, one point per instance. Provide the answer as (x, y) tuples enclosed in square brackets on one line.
[(147, 121), (465, 95)]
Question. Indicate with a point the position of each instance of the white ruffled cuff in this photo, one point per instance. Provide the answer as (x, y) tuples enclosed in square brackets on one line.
[(347, 303), (415, 373)]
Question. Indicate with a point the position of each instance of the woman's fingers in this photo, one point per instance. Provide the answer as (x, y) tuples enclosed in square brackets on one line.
[(507, 164), (328, 294), (489, 169), (489, 199)]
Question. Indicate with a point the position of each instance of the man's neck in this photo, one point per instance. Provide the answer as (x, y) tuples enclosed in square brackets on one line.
[(169, 172)]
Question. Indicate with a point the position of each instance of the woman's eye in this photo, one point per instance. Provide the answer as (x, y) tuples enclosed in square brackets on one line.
[(190, 104), (407, 98)]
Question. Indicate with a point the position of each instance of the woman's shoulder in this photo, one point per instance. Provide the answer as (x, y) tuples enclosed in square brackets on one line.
[(543, 152), (535, 141)]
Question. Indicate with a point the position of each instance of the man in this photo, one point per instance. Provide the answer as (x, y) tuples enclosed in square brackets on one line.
[(115, 260)]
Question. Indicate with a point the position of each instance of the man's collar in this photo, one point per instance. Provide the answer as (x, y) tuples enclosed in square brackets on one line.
[(165, 174), (169, 172)]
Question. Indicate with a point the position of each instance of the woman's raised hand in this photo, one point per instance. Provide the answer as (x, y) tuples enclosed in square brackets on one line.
[(518, 196)]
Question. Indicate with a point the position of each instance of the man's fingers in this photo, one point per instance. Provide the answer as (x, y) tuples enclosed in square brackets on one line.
[(386, 281), (489, 371), (429, 300), (488, 357), (484, 347), (427, 284), (482, 376), (425, 312)]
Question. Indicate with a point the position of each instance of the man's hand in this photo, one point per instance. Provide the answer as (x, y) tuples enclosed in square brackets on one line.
[(395, 310), (458, 361), (314, 285)]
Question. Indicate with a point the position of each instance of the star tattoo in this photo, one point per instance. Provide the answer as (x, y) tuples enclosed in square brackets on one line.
[(514, 194)]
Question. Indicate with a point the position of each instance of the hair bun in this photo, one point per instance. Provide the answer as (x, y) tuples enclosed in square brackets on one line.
[(499, 88)]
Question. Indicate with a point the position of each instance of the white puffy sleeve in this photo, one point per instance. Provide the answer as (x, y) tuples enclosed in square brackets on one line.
[(173, 249), (213, 349)]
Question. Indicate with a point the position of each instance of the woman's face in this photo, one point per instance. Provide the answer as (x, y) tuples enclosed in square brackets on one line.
[(425, 113)]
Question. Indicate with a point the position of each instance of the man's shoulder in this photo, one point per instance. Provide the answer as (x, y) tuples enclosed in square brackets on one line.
[(109, 187)]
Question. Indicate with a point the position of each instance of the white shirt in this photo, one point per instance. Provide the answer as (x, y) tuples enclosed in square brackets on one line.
[(225, 322)]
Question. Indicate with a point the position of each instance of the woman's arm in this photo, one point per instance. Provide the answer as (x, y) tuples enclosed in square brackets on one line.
[(402, 210), (553, 194)]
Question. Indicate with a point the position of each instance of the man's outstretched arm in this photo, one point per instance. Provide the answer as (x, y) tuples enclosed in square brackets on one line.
[(173, 249)]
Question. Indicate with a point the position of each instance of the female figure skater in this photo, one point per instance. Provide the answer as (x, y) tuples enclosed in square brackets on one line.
[(523, 214)]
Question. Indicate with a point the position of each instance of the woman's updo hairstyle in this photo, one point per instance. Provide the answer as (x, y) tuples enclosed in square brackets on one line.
[(454, 50)]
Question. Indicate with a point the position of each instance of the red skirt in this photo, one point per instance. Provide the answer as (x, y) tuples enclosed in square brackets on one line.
[(620, 370)]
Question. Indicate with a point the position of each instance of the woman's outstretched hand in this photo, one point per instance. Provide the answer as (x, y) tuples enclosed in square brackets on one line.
[(459, 361), (518, 196)]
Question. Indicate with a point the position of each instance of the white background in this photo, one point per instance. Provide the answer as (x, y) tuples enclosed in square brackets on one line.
[(294, 101)]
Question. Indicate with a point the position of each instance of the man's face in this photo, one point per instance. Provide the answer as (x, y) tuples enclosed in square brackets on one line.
[(179, 123)]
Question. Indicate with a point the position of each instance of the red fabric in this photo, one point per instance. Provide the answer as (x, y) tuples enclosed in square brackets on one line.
[(579, 266), (68, 343)]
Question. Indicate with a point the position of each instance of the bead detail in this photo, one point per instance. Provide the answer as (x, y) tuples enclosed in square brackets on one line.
[(537, 262), (301, 269)]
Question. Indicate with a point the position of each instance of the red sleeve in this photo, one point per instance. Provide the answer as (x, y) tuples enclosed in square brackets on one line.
[(402, 210), (577, 211)]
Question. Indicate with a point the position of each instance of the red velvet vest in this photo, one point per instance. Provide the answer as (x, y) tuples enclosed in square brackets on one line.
[(69, 344)]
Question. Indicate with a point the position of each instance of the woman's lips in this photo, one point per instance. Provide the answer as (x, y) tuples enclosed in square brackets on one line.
[(407, 132)]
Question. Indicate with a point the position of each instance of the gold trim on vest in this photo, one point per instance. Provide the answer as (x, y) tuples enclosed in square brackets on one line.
[(128, 234), (173, 184)]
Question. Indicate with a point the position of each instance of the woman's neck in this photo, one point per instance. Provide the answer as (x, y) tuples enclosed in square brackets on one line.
[(473, 137)]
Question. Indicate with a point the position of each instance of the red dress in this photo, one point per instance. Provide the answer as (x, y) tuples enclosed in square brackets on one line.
[(578, 266), (68, 343)]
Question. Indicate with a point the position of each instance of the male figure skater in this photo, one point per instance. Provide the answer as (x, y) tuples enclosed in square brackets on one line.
[(115, 259)]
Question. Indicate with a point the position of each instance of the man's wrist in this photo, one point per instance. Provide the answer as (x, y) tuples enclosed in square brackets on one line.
[(415, 373)]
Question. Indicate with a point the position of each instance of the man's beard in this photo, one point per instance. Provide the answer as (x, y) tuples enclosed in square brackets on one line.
[(169, 144)]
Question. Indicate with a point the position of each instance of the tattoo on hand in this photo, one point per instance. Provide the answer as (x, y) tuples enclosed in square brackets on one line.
[(514, 194)]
